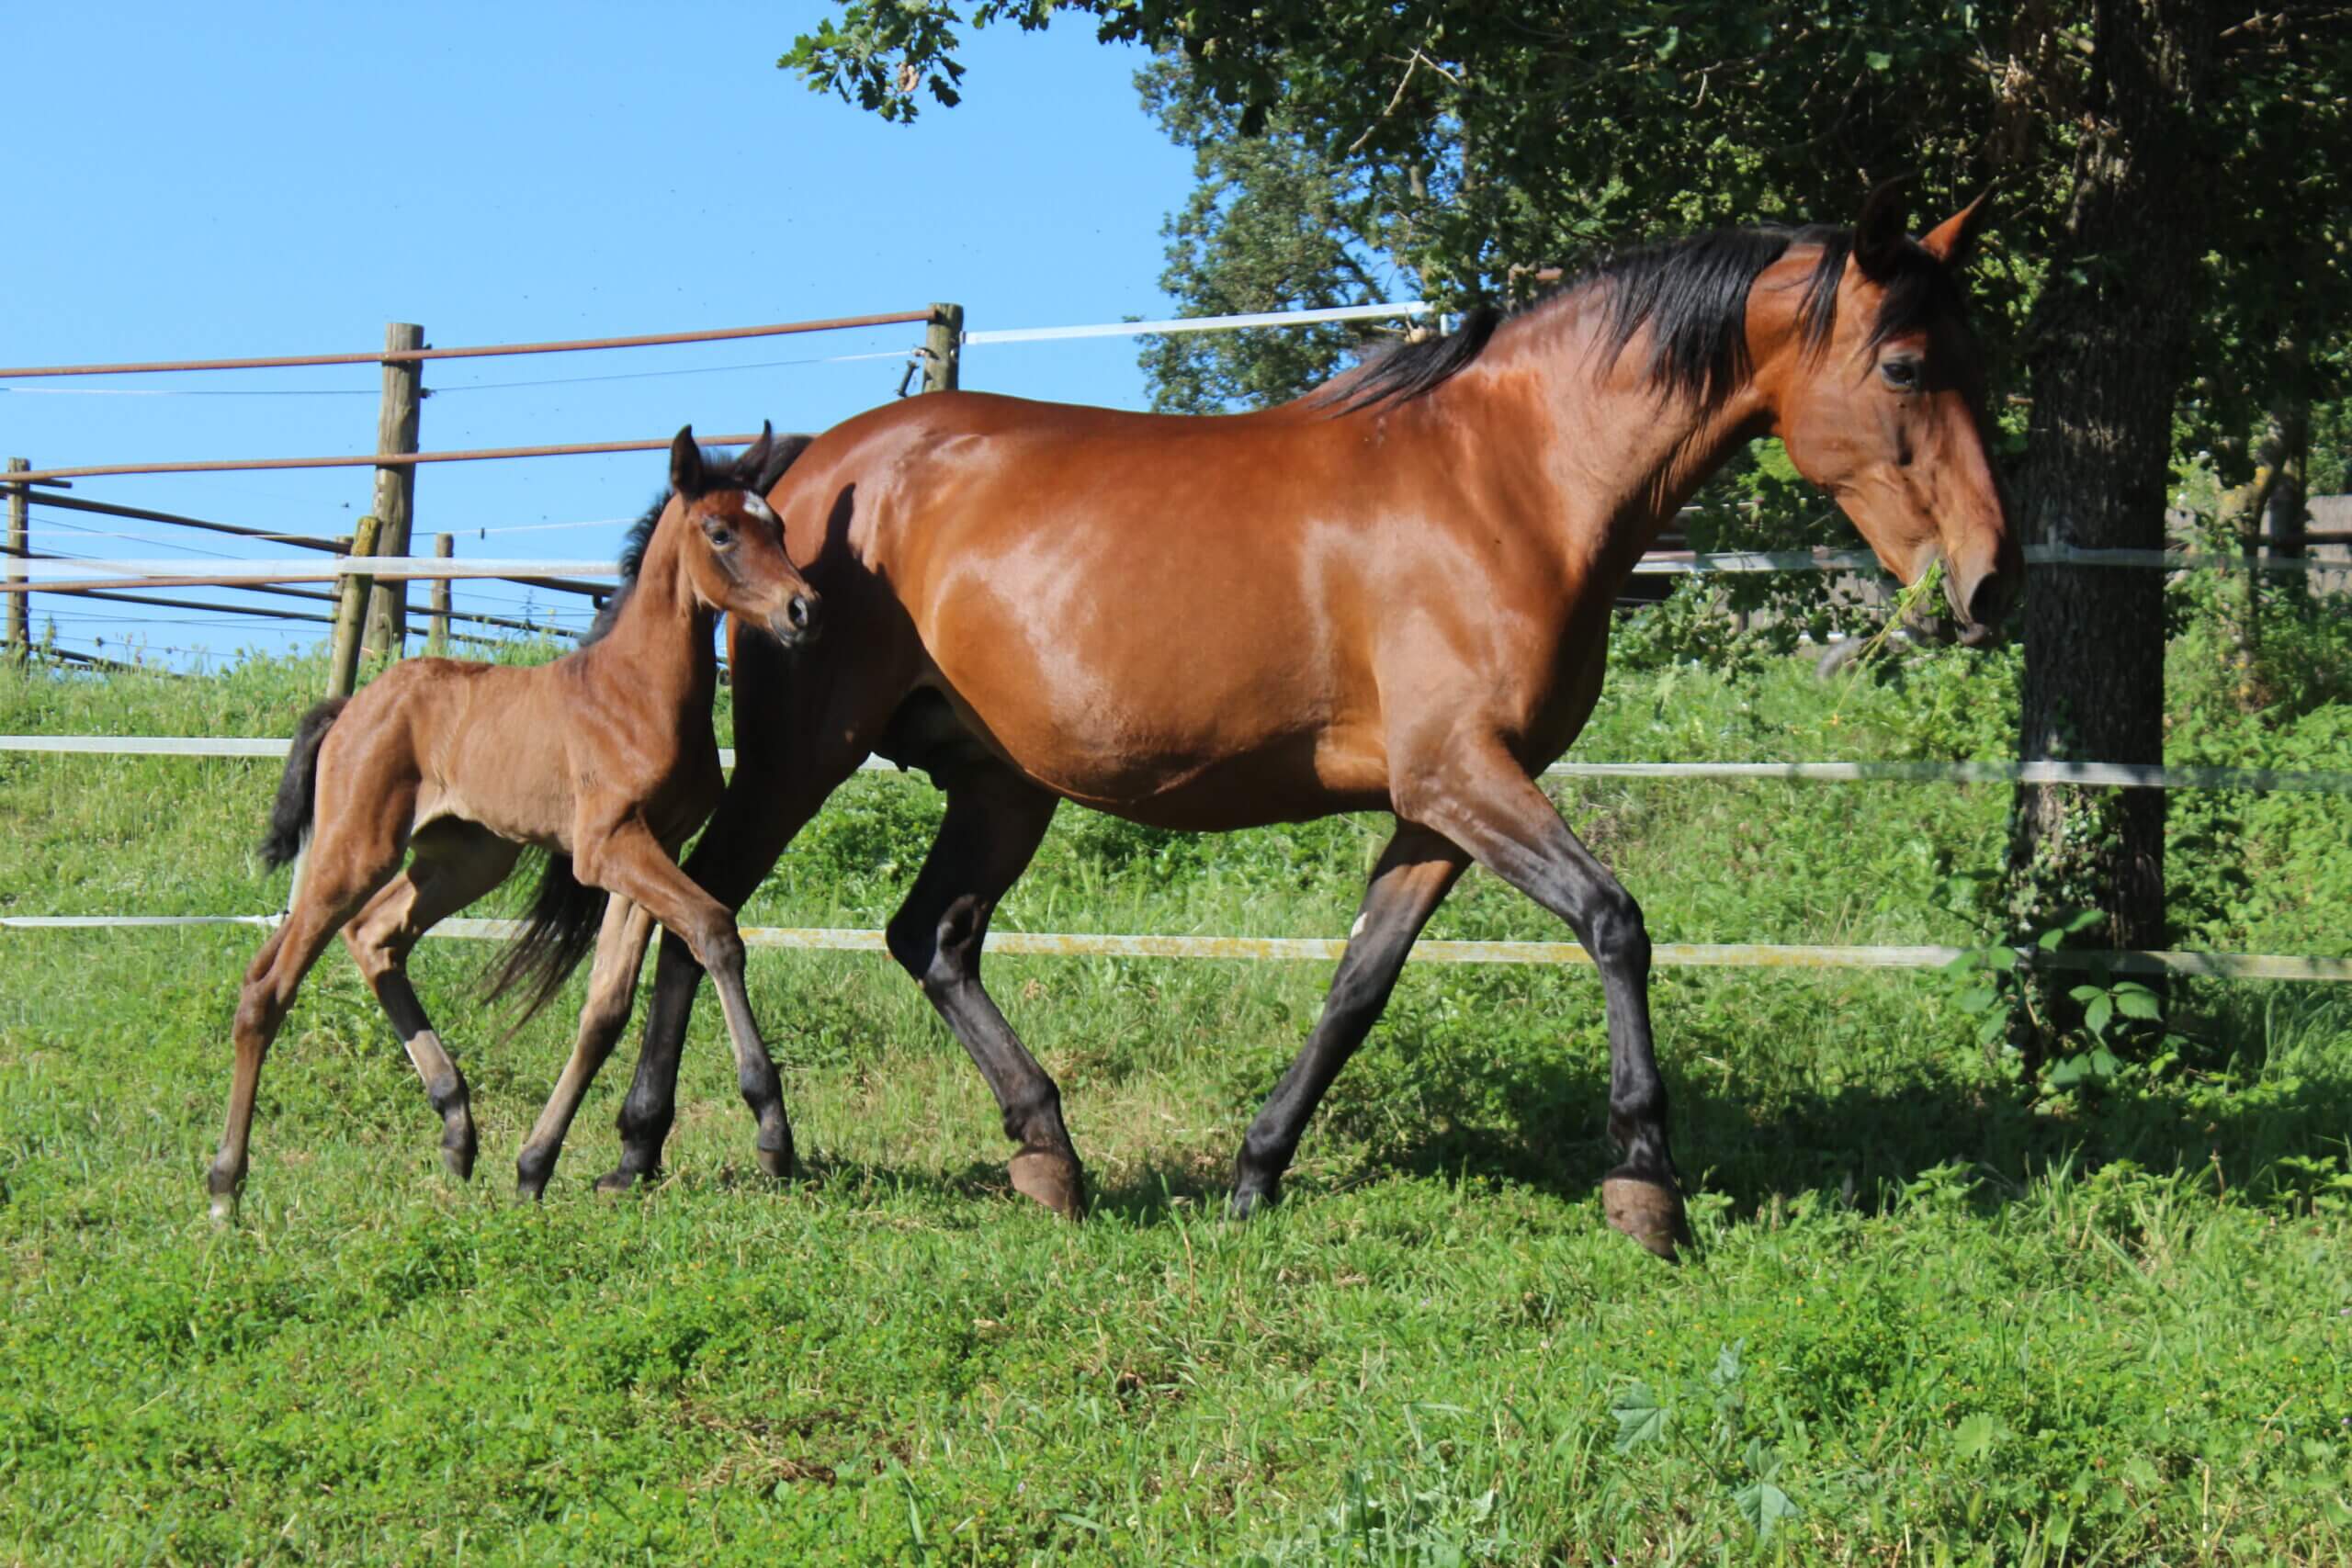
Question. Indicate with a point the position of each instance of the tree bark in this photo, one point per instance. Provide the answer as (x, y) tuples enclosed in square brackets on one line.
[(2105, 363)]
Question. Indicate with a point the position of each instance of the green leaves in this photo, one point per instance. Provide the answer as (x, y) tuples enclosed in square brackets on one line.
[(1642, 1416)]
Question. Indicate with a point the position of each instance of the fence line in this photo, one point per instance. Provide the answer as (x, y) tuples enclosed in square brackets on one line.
[(1200, 324), (1324, 950), (360, 460), (414, 356), (2120, 775)]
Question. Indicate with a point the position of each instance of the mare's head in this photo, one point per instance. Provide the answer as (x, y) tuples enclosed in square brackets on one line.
[(1877, 390), (730, 545)]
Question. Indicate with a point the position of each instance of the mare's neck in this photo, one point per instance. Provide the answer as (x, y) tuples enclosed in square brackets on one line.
[(660, 644), (1621, 455)]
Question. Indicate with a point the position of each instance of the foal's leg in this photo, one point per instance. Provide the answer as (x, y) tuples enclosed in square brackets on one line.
[(993, 825), (611, 988), (1415, 873), (340, 870), (631, 864), (1481, 799), (452, 865)]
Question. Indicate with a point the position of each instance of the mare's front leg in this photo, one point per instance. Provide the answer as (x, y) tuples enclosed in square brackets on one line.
[(1416, 870), (612, 989), (994, 822), (453, 863), (627, 860), (1476, 794)]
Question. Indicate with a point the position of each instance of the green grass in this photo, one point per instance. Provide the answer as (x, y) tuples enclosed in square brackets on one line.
[(1927, 1322)]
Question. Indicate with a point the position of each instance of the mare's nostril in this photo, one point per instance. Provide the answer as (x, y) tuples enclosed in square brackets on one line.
[(800, 612)]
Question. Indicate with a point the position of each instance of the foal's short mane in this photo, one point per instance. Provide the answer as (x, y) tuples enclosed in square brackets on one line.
[(1693, 295)]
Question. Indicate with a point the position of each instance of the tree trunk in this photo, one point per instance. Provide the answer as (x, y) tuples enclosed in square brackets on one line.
[(2105, 361)]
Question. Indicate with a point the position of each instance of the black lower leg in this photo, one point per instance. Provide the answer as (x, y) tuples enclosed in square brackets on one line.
[(651, 1103), (1414, 875), (1503, 819), (992, 826)]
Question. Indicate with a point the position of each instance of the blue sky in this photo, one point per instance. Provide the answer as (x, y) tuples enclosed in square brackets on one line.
[(281, 179)]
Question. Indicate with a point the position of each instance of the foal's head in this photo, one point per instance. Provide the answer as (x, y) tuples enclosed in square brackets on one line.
[(1878, 393), (730, 545)]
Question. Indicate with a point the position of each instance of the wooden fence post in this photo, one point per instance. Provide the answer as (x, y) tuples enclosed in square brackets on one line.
[(436, 642), (395, 508), (942, 348), (342, 665), (20, 609)]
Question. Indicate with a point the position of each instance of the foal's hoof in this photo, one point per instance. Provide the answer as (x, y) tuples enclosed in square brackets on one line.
[(1052, 1178), (1649, 1212), (458, 1157), (777, 1162), (224, 1209)]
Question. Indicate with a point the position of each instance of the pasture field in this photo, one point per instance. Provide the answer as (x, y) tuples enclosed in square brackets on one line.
[(1928, 1320)]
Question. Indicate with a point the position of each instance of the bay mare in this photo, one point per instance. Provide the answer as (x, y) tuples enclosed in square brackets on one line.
[(604, 759), (1392, 595)]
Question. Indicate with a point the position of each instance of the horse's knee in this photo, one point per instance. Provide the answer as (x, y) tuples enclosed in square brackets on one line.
[(1619, 937)]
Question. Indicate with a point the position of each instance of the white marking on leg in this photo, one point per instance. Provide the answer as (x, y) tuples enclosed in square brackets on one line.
[(1357, 929)]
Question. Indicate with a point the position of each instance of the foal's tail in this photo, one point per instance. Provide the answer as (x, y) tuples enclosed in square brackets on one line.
[(558, 932), (289, 816)]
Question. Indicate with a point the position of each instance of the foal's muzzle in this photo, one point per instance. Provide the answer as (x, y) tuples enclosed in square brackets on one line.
[(799, 622)]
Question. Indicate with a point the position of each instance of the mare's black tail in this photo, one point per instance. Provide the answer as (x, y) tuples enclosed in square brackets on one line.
[(289, 816), (558, 932)]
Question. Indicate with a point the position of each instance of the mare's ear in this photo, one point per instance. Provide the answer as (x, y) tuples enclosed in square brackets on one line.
[(1878, 237), (1951, 241), (685, 464)]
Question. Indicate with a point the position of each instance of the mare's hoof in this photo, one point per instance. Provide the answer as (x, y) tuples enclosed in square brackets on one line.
[(459, 1158), (620, 1178), (1247, 1201), (1052, 1178), (1649, 1212), (224, 1209), (777, 1162)]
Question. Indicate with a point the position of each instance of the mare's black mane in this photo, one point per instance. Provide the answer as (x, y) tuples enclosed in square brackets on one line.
[(1693, 295)]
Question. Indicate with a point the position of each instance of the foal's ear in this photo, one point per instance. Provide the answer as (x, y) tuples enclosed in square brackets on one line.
[(685, 464), (1878, 237), (1951, 241), (753, 459)]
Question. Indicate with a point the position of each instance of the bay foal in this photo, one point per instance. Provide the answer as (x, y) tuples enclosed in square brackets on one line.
[(1391, 594), (605, 759)]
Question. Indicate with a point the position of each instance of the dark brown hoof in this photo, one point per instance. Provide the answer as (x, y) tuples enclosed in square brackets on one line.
[(777, 1163), (1053, 1179), (459, 1160), (621, 1179), (1649, 1212)]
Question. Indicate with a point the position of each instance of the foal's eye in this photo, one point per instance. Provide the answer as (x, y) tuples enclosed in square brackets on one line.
[(718, 533), (1903, 375)]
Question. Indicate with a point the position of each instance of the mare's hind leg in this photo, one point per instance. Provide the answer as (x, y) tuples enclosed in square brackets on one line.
[(994, 822), (452, 864), (340, 870), (611, 988), (1415, 873)]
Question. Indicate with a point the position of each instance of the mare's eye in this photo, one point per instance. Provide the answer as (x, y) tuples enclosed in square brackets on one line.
[(1903, 375)]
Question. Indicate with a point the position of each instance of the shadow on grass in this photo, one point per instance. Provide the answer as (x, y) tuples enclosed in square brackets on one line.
[(1544, 1126)]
